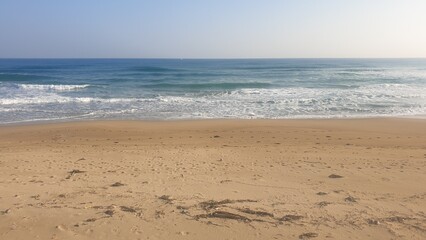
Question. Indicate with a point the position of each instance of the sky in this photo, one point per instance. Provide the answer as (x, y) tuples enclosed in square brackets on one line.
[(212, 29)]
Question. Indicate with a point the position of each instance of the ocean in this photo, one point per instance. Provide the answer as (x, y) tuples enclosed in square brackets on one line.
[(34, 90)]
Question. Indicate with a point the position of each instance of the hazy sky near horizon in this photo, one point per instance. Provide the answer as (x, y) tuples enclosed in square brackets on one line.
[(212, 29)]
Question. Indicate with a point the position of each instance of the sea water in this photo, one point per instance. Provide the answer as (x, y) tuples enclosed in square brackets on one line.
[(166, 89)]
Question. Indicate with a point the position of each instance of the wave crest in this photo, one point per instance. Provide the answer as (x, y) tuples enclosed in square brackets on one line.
[(52, 87)]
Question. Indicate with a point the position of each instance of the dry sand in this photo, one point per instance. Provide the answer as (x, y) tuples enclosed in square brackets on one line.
[(284, 179)]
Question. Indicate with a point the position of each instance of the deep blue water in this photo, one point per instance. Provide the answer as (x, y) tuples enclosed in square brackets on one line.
[(70, 89)]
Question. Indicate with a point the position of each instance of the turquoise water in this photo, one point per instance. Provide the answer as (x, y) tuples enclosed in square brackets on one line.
[(72, 89)]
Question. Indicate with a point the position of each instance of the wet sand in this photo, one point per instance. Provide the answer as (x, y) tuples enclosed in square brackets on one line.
[(219, 179)]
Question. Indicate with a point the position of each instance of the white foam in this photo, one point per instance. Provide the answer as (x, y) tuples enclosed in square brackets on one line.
[(61, 99), (32, 100), (376, 100), (52, 87)]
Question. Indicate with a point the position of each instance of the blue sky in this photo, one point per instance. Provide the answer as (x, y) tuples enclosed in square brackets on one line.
[(212, 29)]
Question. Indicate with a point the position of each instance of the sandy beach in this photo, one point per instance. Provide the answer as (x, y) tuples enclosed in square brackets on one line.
[(214, 179)]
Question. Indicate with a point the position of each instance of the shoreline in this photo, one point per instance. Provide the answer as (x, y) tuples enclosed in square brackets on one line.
[(210, 179), (64, 121)]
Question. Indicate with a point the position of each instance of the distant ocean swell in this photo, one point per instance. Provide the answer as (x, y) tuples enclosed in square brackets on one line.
[(152, 89)]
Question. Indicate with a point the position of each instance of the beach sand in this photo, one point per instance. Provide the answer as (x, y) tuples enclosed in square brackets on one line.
[(218, 179)]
